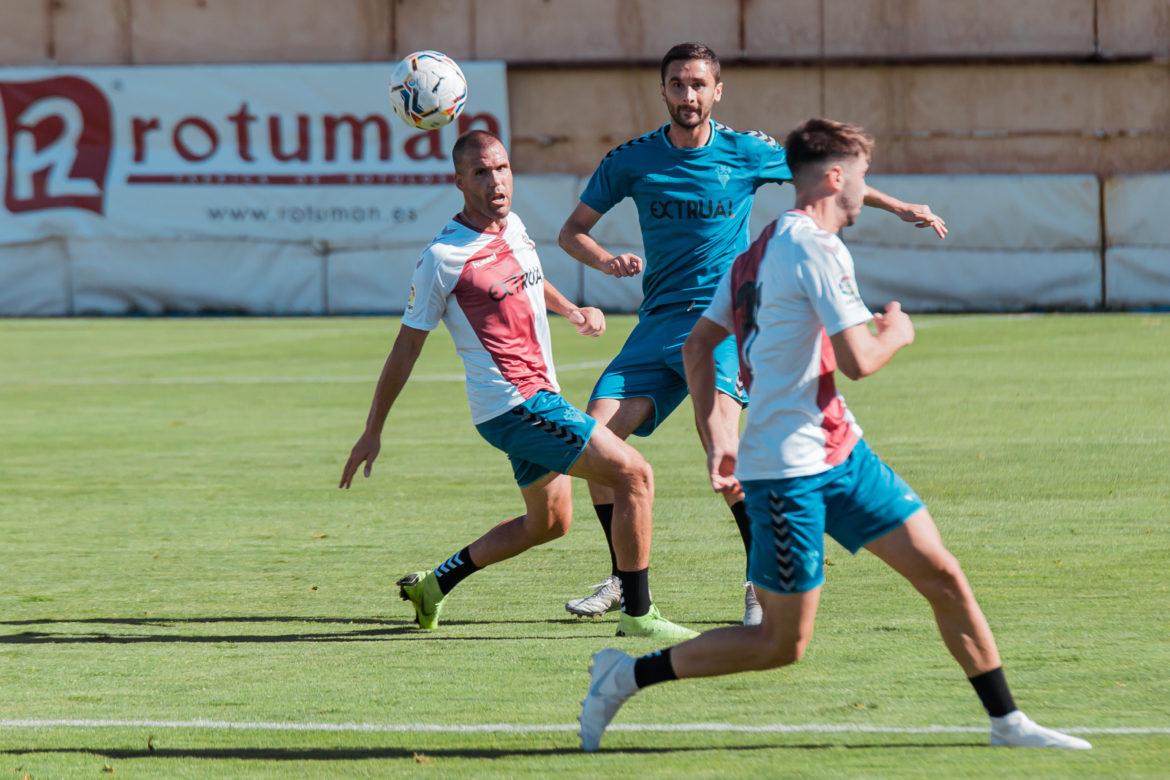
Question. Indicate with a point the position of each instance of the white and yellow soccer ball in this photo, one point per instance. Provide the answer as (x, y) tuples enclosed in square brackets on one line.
[(427, 90)]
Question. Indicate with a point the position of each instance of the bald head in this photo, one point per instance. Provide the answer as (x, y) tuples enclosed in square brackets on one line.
[(471, 145)]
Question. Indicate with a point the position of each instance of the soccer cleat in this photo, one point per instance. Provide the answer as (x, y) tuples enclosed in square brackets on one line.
[(1018, 730), (653, 626), (606, 596), (421, 589), (753, 613), (611, 682)]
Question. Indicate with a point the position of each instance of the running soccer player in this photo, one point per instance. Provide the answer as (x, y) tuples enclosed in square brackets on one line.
[(482, 277), (792, 302), (693, 181)]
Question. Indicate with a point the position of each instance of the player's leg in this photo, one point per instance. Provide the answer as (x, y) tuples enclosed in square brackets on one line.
[(915, 550), (786, 562), (543, 438), (729, 408), (549, 511), (609, 461), (548, 505), (870, 516), (623, 416), (779, 640)]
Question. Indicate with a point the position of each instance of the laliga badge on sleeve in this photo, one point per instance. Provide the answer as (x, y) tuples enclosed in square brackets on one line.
[(410, 299), (848, 289)]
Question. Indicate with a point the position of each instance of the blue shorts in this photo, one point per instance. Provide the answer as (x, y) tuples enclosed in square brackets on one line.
[(650, 365), (856, 502), (545, 433)]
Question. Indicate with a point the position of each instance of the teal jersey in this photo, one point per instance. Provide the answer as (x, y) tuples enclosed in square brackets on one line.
[(693, 205)]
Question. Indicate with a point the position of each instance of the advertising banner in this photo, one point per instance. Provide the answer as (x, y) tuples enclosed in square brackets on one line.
[(246, 152)]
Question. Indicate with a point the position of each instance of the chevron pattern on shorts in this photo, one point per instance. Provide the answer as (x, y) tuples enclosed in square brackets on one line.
[(548, 426), (782, 539)]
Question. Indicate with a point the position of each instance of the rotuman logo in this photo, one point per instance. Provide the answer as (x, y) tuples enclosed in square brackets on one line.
[(58, 136), (723, 173)]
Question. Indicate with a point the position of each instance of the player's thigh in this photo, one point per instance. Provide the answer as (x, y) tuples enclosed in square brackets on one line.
[(623, 416), (915, 550), (608, 460), (789, 617)]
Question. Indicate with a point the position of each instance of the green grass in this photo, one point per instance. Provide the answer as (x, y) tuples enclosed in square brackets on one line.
[(174, 550)]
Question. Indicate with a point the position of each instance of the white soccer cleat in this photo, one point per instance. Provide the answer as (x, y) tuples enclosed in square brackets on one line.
[(611, 682), (1018, 730), (606, 596), (753, 613)]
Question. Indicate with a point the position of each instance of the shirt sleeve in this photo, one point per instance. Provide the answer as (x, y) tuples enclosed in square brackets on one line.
[(607, 186), (427, 301), (721, 310), (826, 276), (773, 164)]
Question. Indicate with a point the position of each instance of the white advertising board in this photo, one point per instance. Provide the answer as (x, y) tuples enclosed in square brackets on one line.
[(259, 152)]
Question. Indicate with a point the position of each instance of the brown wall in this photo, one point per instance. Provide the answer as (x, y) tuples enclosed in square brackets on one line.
[(946, 85)]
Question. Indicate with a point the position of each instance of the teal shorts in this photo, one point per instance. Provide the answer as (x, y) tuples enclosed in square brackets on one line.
[(650, 364), (545, 433), (856, 502)]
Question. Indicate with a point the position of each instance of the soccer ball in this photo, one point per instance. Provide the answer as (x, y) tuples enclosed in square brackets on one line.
[(427, 90)]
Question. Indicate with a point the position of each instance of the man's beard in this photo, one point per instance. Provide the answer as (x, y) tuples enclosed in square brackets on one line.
[(698, 117)]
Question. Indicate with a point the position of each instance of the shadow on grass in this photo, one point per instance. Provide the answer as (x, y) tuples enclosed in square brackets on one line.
[(358, 754), (383, 631)]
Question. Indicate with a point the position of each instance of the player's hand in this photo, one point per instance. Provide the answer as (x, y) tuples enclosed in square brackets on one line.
[(625, 264), (922, 217), (721, 470), (588, 320), (895, 321), (364, 451)]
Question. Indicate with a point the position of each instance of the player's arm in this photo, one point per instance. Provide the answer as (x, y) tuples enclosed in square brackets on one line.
[(861, 353), (575, 239), (588, 320), (720, 443), (918, 213), (395, 372)]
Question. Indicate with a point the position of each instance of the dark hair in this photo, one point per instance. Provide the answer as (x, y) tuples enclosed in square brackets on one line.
[(821, 140), (690, 51), (470, 142)]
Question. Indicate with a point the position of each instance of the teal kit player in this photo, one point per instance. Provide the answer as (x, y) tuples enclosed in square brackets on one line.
[(693, 181)]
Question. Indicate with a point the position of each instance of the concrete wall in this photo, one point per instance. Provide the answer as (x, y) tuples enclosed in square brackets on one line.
[(947, 86)]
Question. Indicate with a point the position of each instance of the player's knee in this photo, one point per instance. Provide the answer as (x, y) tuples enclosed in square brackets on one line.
[(559, 522), (945, 580), (637, 476), (774, 652)]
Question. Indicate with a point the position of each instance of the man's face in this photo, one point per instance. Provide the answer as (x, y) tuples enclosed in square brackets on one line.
[(690, 91), (485, 179), (852, 195)]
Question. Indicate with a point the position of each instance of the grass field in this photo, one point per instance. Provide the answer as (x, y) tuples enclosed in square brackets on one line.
[(174, 548)]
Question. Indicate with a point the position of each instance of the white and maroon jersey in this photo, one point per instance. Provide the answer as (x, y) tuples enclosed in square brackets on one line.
[(783, 298), (489, 290)]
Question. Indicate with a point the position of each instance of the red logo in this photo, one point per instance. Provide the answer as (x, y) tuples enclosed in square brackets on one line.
[(59, 139)]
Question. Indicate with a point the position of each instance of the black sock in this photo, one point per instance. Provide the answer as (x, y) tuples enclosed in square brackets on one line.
[(654, 668), (635, 592), (739, 511), (605, 517), (452, 571), (993, 691)]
